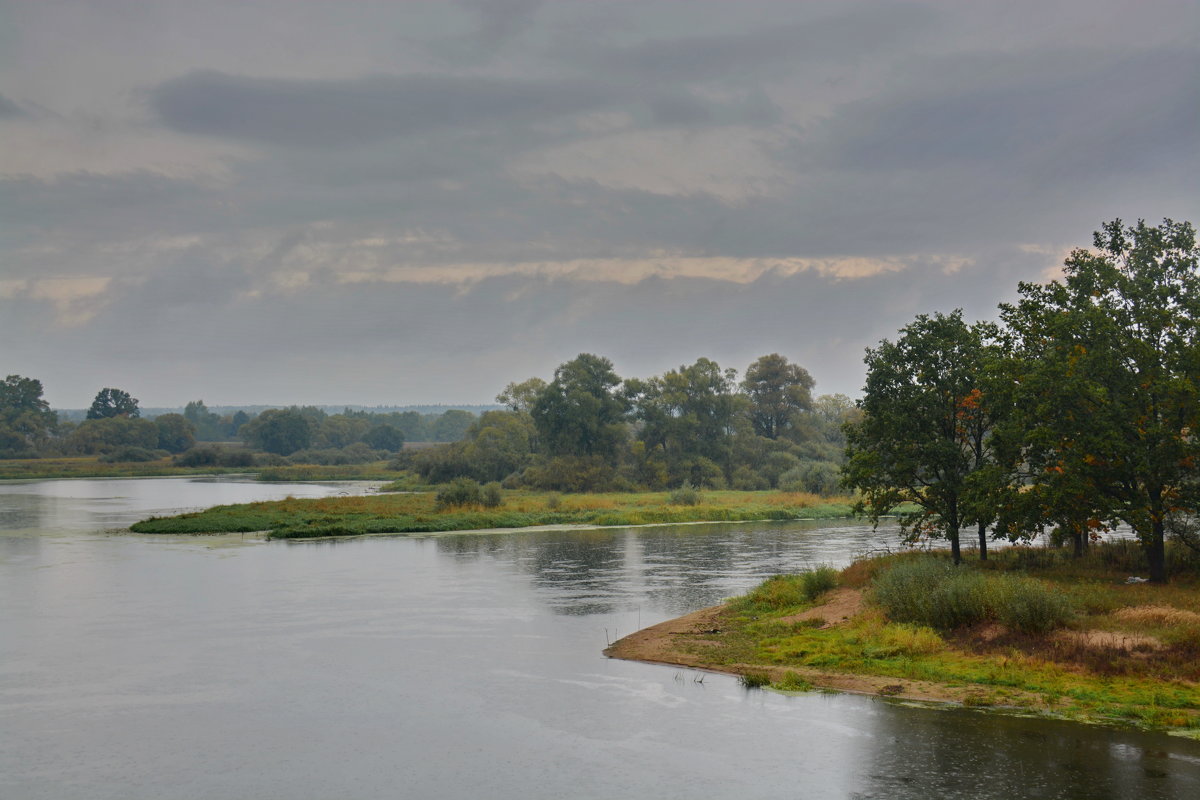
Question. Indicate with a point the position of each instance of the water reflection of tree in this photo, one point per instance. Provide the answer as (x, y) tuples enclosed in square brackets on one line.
[(674, 569)]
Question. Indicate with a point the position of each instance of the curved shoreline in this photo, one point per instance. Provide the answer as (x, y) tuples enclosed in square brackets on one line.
[(682, 641), (660, 644)]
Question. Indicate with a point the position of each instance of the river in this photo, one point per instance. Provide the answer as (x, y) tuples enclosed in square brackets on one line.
[(456, 666)]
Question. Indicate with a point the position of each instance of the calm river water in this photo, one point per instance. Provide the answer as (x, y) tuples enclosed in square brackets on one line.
[(464, 666)]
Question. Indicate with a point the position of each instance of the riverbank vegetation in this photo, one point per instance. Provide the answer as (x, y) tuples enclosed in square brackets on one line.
[(1076, 414), (1031, 629), (426, 512)]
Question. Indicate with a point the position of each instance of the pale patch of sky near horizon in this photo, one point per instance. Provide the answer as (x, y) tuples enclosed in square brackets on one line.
[(396, 203)]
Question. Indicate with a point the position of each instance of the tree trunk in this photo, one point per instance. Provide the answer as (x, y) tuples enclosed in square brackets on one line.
[(1156, 554), (955, 552), (1077, 537), (982, 542)]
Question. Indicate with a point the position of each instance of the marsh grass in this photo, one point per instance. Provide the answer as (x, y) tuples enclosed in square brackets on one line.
[(1151, 678), (418, 513)]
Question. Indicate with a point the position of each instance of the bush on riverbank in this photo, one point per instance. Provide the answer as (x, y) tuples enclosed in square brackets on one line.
[(932, 591), (420, 513)]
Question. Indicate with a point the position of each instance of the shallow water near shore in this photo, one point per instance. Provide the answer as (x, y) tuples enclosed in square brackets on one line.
[(454, 666)]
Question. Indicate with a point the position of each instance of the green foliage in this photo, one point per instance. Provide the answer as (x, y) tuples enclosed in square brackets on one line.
[(384, 437), (131, 454), (280, 431), (1029, 605), (452, 426), (787, 592), (1107, 370), (816, 582), (175, 433), (779, 392), (26, 421), (580, 414), (934, 592), (755, 680), (686, 495), (490, 496), (108, 434), (925, 426), (457, 493), (817, 477), (113, 403), (793, 682), (521, 396)]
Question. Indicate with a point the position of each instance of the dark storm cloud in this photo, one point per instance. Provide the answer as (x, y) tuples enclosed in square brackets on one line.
[(1067, 112), (351, 112), (846, 36)]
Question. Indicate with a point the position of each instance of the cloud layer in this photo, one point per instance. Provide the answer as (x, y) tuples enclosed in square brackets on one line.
[(400, 203)]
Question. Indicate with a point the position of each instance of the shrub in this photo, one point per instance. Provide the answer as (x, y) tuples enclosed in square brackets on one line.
[(755, 680), (818, 581), (126, 454), (686, 495), (490, 496), (933, 592), (788, 591), (197, 457), (553, 501), (1029, 605), (459, 492), (792, 682)]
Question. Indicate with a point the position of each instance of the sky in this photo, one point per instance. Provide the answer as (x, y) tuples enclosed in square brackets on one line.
[(418, 202)]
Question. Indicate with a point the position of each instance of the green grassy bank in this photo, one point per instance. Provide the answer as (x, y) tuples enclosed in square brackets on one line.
[(418, 513), (1042, 633)]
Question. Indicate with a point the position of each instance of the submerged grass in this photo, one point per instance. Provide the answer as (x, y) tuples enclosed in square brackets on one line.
[(418, 513)]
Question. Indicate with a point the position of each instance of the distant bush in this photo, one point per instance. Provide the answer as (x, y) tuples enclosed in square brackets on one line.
[(490, 495), (816, 477), (934, 592), (747, 480), (129, 454), (459, 492), (686, 495)]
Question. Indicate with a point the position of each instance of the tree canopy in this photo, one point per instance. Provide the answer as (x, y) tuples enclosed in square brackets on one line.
[(113, 403), (924, 425)]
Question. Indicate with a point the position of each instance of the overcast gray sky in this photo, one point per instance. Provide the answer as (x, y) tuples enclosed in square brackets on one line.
[(417, 202)]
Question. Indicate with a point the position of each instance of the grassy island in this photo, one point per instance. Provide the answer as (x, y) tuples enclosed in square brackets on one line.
[(1030, 630), (420, 512)]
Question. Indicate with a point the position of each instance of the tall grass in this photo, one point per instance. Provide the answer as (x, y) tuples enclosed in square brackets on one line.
[(934, 592), (787, 591)]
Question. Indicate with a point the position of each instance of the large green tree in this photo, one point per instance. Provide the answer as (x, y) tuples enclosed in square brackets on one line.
[(686, 414), (1110, 389), (113, 403), (26, 421), (280, 430), (176, 433), (779, 393), (580, 412), (923, 435)]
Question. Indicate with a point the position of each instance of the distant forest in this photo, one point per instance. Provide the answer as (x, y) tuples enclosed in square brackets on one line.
[(586, 429)]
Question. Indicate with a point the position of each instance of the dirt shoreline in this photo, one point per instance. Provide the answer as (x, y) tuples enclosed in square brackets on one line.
[(680, 642)]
